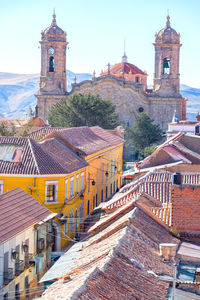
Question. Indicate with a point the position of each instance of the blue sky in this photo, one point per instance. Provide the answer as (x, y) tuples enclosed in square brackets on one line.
[(96, 31)]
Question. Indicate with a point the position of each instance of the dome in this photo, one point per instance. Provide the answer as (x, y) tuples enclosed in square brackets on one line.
[(53, 32), (168, 34)]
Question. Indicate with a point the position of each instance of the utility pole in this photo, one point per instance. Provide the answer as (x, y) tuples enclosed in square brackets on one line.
[(174, 282)]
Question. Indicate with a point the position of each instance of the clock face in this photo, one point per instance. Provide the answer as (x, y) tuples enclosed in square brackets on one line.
[(51, 51)]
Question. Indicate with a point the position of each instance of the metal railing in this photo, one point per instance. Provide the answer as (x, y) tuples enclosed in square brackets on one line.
[(19, 267), (8, 276)]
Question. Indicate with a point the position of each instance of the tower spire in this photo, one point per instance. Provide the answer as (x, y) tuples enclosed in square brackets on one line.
[(124, 57), (168, 20), (54, 17)]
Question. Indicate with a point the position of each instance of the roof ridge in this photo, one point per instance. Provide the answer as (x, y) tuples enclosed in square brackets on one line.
[(33, 154)]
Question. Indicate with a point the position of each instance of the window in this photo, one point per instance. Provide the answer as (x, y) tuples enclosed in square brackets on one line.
[(96, 199), (166, 66), (51, 191), (1, 186), (5, 296), (97, 176), (81, 212), (66, 224), (106, 193), (110, 189), (93, 202), (102, 174), (77, 183), (115, 166), (51, 64), (101, 195), (26, 285), (71, 220), (88, 182), (66, 189), (137, 79), (88, 207), (72, 187), (114, 187), (111, 169), (11, 153), (82, 181)]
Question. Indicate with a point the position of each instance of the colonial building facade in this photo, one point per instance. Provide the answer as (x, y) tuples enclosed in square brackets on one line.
[(124, 84)]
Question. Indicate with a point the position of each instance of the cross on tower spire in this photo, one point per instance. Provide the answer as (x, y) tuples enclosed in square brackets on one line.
[(108, 65), (54, 17), (168, 21)]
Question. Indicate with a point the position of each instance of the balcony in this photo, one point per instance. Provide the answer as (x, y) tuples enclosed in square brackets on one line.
[(29, 261), (19, 267), (8, 276)]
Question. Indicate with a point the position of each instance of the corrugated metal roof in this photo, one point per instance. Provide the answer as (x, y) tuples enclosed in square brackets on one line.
[(63, 264)]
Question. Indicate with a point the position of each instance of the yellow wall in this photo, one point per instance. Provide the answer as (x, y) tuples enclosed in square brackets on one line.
[(35, 186), (98, 164)]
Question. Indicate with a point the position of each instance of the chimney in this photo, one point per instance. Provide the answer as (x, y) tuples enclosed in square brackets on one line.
[(168, 251)]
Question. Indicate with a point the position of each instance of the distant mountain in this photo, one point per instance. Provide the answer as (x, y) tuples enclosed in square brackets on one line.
[(17, 93)]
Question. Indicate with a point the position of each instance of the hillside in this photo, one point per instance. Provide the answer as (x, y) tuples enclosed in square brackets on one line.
[(17, 93)]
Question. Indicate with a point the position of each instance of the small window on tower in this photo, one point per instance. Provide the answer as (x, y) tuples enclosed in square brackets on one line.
[(51, 64), (137, 79), (166, 66)]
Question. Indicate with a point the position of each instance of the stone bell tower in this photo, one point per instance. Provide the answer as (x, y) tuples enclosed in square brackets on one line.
[(53, 84), (167, 48)]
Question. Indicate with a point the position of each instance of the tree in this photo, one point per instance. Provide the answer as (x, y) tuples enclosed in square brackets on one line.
[(7, 130), (84, 110), (143, 134)]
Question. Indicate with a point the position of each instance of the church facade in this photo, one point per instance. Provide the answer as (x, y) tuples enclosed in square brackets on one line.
[(124, 83)]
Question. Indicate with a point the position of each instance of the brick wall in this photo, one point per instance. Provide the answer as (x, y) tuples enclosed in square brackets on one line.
[(186, 208)]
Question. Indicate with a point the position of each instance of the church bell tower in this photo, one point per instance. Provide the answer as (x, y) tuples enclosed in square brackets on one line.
[(53, 84), (167, 48)]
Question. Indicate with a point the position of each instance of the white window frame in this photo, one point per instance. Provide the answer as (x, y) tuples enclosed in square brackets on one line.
[(51, 182), (1, 186), (66, 190), (82, 181), (77, 184), (71, 191)]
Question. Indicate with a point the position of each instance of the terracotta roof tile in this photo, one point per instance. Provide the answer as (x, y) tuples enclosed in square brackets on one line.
[(118, 263), (125, 68), (19, 211), (63, 155), (34, 160)]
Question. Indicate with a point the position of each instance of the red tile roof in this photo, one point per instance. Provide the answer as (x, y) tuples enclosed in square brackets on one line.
[(86, 140), (63, 155), (34, 160), (119, 262), (18, 212), (125, 68), (107, 135)]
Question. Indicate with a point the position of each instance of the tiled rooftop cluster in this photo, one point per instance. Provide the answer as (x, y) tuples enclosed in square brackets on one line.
[(119, 262), (182, 147), (58, 155)]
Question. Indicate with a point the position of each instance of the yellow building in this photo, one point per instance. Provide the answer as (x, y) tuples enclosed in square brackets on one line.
[(58, 186), (70, 172), (102, 150)]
